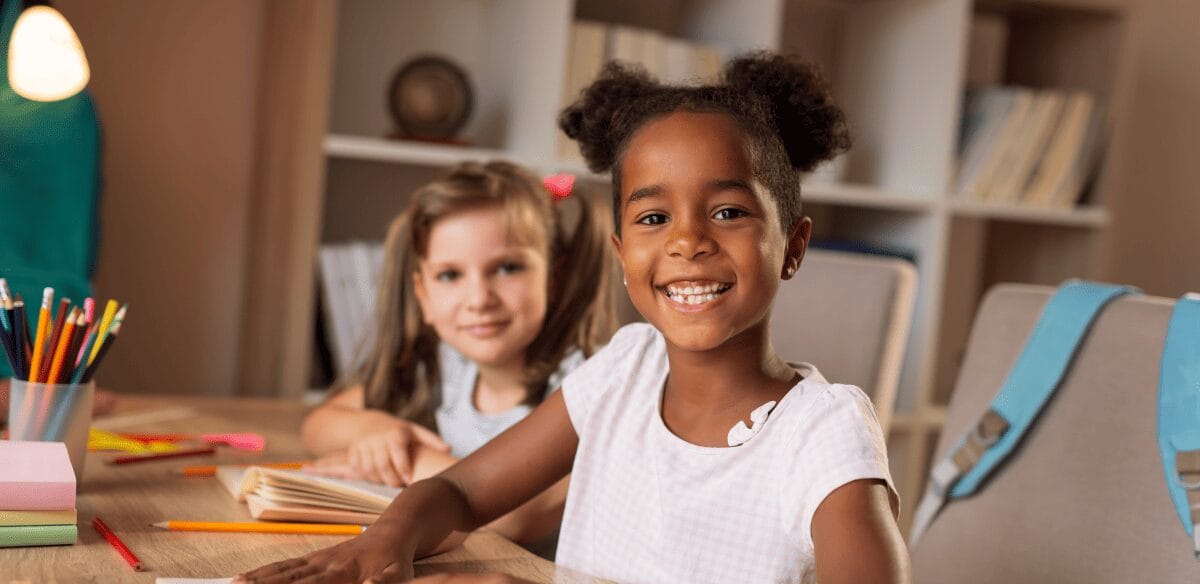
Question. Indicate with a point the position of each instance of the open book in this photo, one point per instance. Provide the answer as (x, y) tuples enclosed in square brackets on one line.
[(289, 495)]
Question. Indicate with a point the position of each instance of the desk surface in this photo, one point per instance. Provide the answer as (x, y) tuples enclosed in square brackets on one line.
[(131, 497)]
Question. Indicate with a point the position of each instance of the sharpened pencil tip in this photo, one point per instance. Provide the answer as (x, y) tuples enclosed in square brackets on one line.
[(160, 525)]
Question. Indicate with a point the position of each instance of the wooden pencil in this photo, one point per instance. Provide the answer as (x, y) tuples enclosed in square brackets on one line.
[(39, 339), (249, 527), (116, 543), (211, 469), (60, 349), (73, 344), (64, 306), (20, 338), (109, 339), (110, 311), (81, 365), (208, 450)]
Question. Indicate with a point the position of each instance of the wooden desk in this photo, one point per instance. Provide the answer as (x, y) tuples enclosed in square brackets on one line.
[(131, 497)]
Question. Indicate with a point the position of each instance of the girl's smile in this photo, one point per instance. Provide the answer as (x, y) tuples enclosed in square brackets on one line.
[(701, 241)]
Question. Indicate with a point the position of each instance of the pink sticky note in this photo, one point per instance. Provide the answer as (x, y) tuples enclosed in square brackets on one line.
[(37, 476)]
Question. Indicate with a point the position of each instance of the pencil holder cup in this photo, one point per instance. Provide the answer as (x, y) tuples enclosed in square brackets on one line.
[(51, 412)]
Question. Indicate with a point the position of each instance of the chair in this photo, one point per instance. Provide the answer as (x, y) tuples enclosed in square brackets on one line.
[(1083, 498), (849, 314)]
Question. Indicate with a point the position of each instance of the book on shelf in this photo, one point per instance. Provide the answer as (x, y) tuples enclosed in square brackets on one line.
[(1028, 144), (1018, 146), (1070, 158), (349, 273), (289, 495)]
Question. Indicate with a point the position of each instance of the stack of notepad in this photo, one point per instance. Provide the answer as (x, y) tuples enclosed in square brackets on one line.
[(37, 494)]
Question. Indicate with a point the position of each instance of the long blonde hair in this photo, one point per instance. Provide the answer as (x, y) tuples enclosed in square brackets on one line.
[(399, 370)]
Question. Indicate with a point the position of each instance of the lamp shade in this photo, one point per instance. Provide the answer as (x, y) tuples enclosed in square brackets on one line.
[(45, 60)]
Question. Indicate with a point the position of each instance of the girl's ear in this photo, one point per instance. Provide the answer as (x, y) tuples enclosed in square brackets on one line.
[(422, 295), (797, 245), (616, 243)]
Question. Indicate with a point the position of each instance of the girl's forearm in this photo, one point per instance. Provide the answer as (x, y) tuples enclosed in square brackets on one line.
[(430, 516), (333, 427)]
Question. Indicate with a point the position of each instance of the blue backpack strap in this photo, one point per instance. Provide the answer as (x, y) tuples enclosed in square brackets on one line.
[(1179, 413), (1039, 370)]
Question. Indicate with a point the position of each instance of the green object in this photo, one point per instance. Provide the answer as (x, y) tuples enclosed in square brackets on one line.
[(31, 535), (49, 189)]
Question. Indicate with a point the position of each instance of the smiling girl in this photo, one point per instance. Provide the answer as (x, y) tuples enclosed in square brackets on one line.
[(696, 453), (486, 302)]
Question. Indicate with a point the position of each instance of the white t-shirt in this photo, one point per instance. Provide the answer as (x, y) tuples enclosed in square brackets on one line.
[(646, 506), (459, 422)]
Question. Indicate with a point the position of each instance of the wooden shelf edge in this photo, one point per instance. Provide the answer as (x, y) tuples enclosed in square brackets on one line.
[(1090, 217), (406, 152)]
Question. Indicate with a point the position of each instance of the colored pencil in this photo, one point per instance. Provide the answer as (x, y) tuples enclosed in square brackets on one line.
[(81, 365), (73, 345), (109, 340), (211, 470), (64, 306), (6, 342), (110, 310), (39, 339), (117, 544), (20, 336), (4, 291), (6, 316), (305, 528), (132, 458), (89, 309), (60, 349)]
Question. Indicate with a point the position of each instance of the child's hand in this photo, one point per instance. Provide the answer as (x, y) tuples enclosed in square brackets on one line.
[(387, 457), (336, 465), (370, 555)]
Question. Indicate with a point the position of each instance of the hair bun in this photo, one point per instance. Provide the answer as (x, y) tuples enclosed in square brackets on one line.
[(802, 112), (594, 119)]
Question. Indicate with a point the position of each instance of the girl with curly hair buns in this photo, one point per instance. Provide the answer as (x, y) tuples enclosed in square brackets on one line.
[(696, 453)]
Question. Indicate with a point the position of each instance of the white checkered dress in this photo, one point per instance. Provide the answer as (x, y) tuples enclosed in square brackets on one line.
[(646, 506)]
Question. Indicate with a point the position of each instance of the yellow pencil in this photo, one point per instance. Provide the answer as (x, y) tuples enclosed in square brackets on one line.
[(110, 310), (39, 340), (304, 528)]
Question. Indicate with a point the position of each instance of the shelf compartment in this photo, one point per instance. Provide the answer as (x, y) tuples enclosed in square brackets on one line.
[(853, 195)]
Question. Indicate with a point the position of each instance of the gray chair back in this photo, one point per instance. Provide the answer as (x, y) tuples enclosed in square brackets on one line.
[(1083, 498)]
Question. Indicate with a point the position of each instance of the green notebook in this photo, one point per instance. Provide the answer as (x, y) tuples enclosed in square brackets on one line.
[(31, 535)]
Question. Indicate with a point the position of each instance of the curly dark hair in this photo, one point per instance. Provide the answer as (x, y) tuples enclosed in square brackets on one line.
[(782, 104)]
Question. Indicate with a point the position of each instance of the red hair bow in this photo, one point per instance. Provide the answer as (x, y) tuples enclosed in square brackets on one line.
[(559, 185)]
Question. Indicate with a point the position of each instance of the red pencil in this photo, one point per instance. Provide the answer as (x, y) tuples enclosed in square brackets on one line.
[(116, 543), (131, 458)]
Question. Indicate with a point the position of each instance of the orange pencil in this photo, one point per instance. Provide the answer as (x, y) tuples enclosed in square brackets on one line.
[(116, 543), (60, 348), (39, 340), (64, 305), (211, 470), (305, 528)]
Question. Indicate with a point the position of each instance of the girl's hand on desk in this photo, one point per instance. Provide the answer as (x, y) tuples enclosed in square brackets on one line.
[(370, 557), (387, 457)]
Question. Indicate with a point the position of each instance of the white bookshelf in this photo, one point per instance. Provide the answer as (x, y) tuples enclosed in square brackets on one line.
[(896, 67)]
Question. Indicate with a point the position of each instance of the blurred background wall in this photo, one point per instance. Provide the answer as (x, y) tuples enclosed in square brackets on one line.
[(177, 85)]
